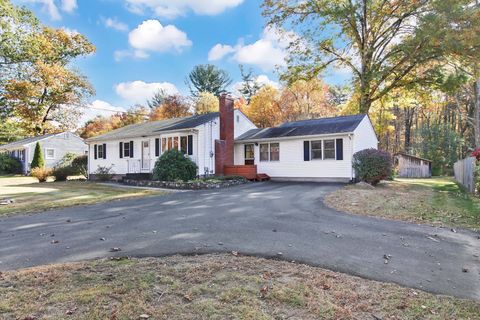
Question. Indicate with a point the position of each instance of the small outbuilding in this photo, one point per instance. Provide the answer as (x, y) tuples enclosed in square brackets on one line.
[(410, 166)]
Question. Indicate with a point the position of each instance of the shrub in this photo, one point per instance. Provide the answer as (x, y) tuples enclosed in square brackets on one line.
[(67, 159), (372, 165), (38, 161), (80, 165), (174, 165), (62, 173), (9, 164), (104, 173), (41, 173), (476, 154)]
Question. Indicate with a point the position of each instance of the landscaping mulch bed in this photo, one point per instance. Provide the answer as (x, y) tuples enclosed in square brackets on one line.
[(185, 185), (215, 286)]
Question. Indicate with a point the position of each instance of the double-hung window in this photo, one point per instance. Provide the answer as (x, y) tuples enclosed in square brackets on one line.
[(323, 149), (49, 154), (100, 151), (270, 151), (126, 149)]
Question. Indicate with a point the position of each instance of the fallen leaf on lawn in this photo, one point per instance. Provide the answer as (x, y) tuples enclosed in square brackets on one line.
[(263, 291), (188, 297), (235, 253), (144, 316)]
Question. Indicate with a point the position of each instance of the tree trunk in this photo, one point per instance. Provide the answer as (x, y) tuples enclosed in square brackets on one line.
[(409, 113), (476, 120)]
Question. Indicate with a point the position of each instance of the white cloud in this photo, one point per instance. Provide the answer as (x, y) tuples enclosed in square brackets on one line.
[(267, 53), (171, 9), (99, 108), (113, 23), (119, 55), (69, 5), (52, 7), (219, 51), (150, 35), (139, 91)]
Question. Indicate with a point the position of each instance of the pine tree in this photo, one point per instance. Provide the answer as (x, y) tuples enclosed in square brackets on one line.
[(38, 161)]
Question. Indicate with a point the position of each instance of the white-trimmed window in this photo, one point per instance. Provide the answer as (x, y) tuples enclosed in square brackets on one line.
[(100, 151), (329, 149), (49, 153), (316, 147), (270, 151), (126, 149), (323, 149)]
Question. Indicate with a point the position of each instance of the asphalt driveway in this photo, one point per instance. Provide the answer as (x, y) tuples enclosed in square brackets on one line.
[(285, 220)]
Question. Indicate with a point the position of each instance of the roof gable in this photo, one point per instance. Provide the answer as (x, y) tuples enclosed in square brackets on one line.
[(29, 140), (342, 124)]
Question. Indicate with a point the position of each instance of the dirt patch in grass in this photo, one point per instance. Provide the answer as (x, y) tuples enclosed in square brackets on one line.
[(212, 287), (439, 201), (30, 196)]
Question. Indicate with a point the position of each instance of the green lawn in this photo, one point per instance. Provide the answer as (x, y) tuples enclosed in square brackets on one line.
[(31, 196), (438, 200), (217, 286)]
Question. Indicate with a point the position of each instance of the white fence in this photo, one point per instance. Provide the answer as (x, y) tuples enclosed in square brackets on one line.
[(465, 173)]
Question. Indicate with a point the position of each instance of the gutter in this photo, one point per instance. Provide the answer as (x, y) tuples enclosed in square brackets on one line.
[(295, 137), (88, 141)]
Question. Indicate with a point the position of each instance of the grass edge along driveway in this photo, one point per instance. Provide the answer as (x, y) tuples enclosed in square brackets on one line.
[(214, 286), (439, 201), (30, 196)]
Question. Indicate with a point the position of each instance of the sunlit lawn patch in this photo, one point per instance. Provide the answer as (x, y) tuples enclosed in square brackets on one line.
[(438, 200), (29, 195)]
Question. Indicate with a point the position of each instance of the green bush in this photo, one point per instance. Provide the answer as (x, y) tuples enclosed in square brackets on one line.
[(174, 165), (66, 160), (104, 173), (372, 165), (9, 164), (41, 174), (80, 165), (62, 173), (38, 161)]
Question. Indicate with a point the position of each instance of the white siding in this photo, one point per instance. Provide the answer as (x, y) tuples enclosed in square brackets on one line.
[(364, 136), (292, 164), (241, 123), (207, 134)]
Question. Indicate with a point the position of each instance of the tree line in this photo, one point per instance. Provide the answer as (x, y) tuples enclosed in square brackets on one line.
[(414, 66)]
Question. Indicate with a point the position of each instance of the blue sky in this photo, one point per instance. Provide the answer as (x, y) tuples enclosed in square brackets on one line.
[(144, 45)]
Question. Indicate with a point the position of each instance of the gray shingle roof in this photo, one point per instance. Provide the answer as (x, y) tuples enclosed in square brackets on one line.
[(22, 142), (155, 127), (311, 127)]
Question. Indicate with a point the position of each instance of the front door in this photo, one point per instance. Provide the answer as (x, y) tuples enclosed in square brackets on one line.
[(249, 154), (145, 156)]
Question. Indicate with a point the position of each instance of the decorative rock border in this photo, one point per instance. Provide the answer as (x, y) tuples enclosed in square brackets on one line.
[(189, 185)]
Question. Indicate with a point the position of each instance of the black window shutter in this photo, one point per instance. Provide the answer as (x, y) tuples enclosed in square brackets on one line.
[(120, 147), (104, 151), (131, 149), (190, 145), (339, 143), (95, 151), (157, 147), (306, 150)]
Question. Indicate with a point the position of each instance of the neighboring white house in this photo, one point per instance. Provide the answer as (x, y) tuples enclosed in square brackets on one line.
[(54, 147), (318, 149), (134, 149)]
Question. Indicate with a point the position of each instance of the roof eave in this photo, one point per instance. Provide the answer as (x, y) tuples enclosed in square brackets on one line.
[(157, 133), (295, 137)]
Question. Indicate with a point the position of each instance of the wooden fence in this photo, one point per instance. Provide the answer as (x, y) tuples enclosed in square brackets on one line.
[(465, 173)]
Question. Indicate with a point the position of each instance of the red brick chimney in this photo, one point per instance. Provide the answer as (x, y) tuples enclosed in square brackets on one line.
[(224, 146)]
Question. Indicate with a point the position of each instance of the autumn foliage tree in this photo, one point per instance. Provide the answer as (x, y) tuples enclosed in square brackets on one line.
[(206, 102), (173, 106), (37, 85), (264, 109)]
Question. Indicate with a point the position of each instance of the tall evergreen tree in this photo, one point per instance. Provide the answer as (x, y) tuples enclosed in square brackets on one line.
[(38, 161), (208, 78)]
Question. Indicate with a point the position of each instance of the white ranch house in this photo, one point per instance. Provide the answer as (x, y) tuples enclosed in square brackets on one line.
[(227, 142)]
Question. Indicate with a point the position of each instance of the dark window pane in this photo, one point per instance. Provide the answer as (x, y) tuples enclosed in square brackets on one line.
[(264, 152), (316, 154), (274, 151), (249, 153), (183, 144), (329, 149)]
